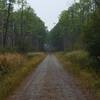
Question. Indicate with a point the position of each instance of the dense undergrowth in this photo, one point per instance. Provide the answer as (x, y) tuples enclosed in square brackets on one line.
[(14, 68), (80, 64)]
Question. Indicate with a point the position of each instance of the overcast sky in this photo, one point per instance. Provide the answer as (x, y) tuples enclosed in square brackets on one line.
[(49, 10)]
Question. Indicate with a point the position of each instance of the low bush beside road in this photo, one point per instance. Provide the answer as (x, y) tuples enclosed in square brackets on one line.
[(80, 64), (14, 68)]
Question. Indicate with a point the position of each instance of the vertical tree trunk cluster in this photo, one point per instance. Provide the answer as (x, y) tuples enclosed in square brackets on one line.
[(18, 28)]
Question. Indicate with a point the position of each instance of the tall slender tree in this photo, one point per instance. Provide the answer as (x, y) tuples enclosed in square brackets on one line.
[(6, 25)]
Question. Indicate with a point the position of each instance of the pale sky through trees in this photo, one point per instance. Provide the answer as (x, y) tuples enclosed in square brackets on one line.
[(49, 10)]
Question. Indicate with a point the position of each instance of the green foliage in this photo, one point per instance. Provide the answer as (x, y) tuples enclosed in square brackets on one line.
[(79, 28), (79, 63), (55, 38), (80, 57), (34, 32), (92, 35), (20, 30), (68, 28)]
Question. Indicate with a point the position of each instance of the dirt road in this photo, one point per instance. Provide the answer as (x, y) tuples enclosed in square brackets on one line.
[(49, 82)]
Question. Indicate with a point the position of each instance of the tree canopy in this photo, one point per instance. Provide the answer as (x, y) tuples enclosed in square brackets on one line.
[(21, 29), (78, 27)]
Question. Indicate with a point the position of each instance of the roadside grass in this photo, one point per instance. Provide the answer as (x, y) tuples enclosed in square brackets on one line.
[(78, 63), (16, 68)]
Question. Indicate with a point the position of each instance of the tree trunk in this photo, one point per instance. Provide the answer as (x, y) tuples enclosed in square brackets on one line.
[(6, 26)]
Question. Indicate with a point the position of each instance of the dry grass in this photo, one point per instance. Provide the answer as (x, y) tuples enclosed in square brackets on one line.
[(86, 78), (18, 67), (10, 62)]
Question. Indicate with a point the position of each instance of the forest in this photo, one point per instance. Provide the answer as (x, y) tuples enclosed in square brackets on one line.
[(25, 41), (21, 29), (21, 32), (77, 38), (78, 29)]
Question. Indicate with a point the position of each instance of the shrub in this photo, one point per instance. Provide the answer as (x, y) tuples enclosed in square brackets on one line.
[(10, 81), (82, 66), (92, 35), (81, 57), (9, 62)]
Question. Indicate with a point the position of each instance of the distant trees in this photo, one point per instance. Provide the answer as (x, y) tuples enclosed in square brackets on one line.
[(78, 27), (20, 30)]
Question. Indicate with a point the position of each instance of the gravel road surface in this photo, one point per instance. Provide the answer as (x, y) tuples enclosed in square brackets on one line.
[(48, 82)]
